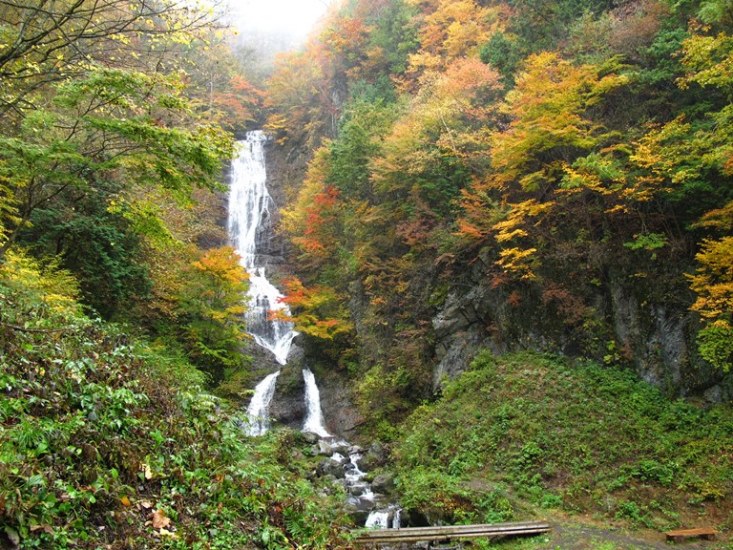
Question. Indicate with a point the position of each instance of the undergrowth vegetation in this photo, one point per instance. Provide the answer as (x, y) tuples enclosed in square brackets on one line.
[(107, 442), (526, 432)]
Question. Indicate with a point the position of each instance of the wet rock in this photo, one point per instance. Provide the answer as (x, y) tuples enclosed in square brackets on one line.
[(296, 357), (356, 490), (343, 450), (375, 457), (288, 404), (383, 483), (324, 448), (359, 517), (310, 438), (330, 468)]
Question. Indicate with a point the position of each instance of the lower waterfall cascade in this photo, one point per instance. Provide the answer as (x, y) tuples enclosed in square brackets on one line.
[(249, 226), (314, 417), (258, 409)]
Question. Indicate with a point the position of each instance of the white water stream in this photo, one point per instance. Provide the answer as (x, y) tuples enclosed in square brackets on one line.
[(249, 227), (257, 412)]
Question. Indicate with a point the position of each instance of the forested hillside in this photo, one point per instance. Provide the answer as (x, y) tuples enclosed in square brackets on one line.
[(504, 236), (115, 125), (547, 175)]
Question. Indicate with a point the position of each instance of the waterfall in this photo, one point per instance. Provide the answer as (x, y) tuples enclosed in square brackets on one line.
[(314, 417), (249, 225), (258, 410), (387, 518), (378, 520)]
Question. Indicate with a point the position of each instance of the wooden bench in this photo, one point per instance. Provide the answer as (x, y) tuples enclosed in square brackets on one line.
[(679, 535)]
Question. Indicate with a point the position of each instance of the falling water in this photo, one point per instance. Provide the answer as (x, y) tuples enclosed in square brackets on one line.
[(249, 224), (314, 417), (249, 227), (259, 420), (378, 520), (386, 518)]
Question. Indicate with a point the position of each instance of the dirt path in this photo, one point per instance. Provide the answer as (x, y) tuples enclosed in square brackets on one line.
[(570, 536)]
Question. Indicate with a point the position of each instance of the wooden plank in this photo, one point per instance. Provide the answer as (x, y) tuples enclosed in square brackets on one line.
[(465, 534), (446, 538), (428, 535), (512, 524), (682, 534), (451, 532)]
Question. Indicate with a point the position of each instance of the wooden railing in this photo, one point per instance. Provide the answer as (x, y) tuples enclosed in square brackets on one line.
[(446, 533)]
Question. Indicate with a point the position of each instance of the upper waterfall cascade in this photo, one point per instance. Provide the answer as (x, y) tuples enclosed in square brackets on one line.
[(249, 226)]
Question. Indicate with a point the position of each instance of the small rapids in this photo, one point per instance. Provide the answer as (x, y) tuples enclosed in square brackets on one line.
[(379, 513)]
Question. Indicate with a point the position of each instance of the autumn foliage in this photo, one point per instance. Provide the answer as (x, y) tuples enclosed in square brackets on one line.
[(546, 142)]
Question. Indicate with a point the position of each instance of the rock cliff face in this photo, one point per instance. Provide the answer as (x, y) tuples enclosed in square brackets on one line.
[(656, 339)]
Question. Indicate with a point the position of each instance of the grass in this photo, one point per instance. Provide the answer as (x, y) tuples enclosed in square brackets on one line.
[(525, 433)]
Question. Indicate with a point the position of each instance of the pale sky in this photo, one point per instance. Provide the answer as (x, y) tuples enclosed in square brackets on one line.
[(292, 17)]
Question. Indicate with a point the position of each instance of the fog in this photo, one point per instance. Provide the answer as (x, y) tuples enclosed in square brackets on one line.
[(271, 26)]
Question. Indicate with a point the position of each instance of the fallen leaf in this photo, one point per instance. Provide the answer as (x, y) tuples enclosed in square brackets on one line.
[(160, 520), (146, 504), (146, 471), (125, 501), (166, 533)]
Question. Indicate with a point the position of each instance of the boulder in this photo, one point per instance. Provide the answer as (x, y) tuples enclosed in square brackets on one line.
[(375, 457), (330, 468), (383, 483), (324, 448)]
